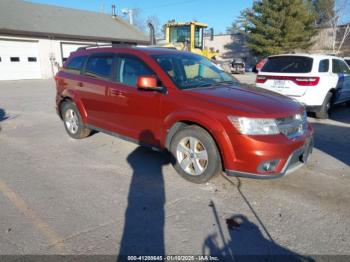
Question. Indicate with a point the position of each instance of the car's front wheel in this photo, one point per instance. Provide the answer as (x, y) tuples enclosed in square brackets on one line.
[(196, 157), (73, 122)]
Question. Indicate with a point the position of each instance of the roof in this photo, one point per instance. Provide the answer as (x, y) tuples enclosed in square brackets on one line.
[(130, 49), (319, 56), (186, 24), (24, 18)]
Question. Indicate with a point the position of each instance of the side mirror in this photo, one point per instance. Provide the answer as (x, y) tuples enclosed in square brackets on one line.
[(148, 83)]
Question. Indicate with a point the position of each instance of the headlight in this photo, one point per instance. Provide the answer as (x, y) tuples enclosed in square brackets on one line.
[(255, 126)]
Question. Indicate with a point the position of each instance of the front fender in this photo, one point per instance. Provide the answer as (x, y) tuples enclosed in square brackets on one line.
[(212, 125)]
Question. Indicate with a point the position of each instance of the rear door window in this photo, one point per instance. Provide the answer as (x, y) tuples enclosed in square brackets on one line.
[(323, 66), (76, 64), (339, 67), (99, 66), (288, 64), (348, 61)]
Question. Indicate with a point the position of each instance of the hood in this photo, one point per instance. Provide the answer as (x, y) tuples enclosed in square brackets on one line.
[(248, 100)]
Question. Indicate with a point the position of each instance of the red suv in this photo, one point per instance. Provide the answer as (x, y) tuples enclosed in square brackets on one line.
[(182, 103)]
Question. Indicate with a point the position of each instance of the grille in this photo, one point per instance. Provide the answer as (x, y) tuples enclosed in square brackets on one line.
[(293, 126)]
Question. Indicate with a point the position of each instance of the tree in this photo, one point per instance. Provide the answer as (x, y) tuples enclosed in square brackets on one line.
[(142, 24), (138, 20), (277, 26), (339, 15), (325, 11)]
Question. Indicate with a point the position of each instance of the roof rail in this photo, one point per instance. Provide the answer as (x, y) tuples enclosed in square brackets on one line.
[(104, 46)]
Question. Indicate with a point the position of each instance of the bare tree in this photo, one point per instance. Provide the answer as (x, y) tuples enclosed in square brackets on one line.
[(345, 35), (141, 23), (340, 15), (153, 19)]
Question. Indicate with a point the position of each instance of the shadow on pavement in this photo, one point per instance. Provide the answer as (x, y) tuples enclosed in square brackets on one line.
[(333, 140), (246, 241), (143, 232)]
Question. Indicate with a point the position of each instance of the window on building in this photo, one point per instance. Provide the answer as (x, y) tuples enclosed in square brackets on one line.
[(99, 66), (32, 59), (130, 69), (323, 66), (14, 59), (75, 65)]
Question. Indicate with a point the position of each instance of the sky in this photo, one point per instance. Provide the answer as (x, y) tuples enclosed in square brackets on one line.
[(217, 14)]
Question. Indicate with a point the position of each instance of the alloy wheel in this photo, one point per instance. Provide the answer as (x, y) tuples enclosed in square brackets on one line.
[(192, 156), (71, 121)]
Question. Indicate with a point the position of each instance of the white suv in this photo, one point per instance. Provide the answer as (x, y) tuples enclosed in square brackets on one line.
[(347, 60), (317, 81)]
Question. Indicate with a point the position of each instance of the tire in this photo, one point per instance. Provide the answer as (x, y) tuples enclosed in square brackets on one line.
[(195, 154), (73, 122), (323, 113)]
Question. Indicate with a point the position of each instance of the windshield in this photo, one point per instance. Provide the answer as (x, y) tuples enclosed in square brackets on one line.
[(179, 34), (192, 71)]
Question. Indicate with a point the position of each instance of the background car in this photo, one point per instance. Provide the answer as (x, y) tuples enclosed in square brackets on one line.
[(316, 81), (237, 66)]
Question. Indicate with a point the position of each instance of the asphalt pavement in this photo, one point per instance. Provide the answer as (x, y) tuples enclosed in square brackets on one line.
[(103, 195)]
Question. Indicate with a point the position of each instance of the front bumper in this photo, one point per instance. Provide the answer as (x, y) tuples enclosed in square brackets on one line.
[(296, 160)]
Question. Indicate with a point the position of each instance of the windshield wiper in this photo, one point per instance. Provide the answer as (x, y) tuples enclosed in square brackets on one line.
[(205, 85), (223, 82), (211, 84)]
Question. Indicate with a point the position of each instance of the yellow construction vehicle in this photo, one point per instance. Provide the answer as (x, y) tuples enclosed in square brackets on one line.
[(188, 36)]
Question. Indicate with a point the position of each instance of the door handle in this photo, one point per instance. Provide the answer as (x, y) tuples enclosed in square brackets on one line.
[(115, 92)]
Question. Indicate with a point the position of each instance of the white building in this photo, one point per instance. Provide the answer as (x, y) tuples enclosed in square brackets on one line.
[(36, 38)]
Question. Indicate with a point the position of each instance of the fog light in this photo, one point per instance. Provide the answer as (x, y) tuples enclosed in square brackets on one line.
[(268, 166)]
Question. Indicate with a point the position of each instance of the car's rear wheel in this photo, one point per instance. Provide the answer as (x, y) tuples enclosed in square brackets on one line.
[(196, 157), (73, 122), (324, 111)]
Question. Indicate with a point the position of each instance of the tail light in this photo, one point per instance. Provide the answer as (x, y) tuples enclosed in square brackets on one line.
[(261, 79), (300, 81), (307, 81)]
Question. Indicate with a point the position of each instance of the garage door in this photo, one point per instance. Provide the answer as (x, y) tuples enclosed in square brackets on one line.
[(19, 60), (67, 48)]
